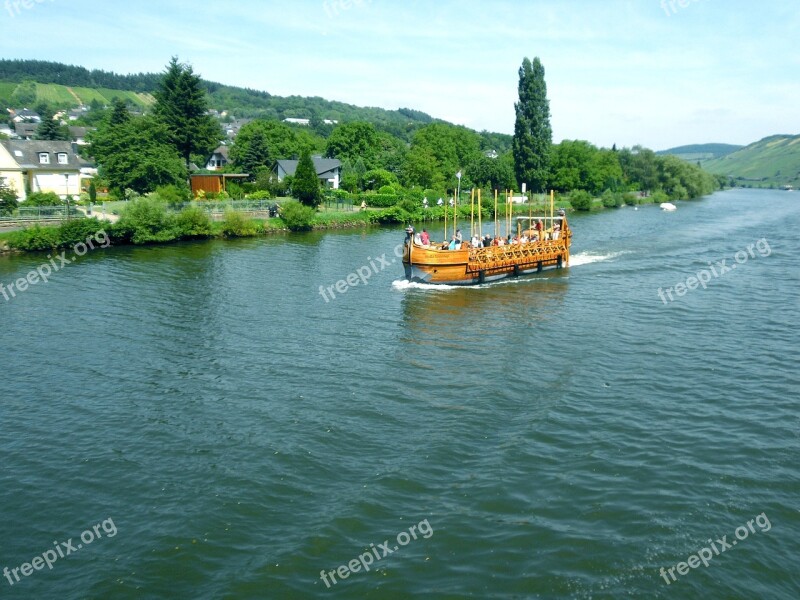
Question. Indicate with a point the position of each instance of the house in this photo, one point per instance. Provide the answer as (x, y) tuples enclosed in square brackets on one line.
[(232, 128), (329, 170), (24, 115), (218, 159), (42, 166), (294, 121), (78, 134), (25, 131), (491, 154)]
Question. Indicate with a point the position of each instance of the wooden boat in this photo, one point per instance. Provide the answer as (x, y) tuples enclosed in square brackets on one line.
[(475, 265)]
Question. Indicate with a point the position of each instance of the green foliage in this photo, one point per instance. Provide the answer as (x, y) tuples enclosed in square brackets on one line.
[(25, 94), (43, 199), (173, 194), (353, 141), (377, 200), (237, 224), (92, 192), (136, 153), (49, 128), (387, 190), (612, 199), (297, 217), (146, 221), (67, 234), (581, 200), (380, 178), (438, 152), (306, 185), (260, 195), (35, 238), (533, 136), (181, 107), (659, 197), (193, 223), (8, 198)]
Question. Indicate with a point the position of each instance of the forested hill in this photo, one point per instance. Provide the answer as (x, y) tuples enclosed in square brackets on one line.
[(54, 78)]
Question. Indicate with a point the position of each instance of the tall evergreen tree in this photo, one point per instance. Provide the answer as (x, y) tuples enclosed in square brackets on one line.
[(256, 154), (305, 185), (181, 106), (533, 136), (119, 113), (49, 128)]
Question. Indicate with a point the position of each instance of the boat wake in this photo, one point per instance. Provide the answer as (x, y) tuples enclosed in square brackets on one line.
[(404, 284), (586, 258)]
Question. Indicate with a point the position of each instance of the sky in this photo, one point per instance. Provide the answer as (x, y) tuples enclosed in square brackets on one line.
[(660, 73)]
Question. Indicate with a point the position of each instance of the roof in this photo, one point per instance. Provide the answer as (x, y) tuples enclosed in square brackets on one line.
[(78, 132), (26, 153), (321, 165), (25, 129), (223, 150)]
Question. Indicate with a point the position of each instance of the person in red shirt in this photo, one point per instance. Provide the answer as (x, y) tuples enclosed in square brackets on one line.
[(426, 239)]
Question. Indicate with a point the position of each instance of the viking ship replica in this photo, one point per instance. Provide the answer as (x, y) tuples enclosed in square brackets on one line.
[(542, 241)]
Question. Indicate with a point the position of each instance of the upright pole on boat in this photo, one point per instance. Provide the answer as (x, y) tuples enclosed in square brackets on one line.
[(552, 207), (472, 212), (445, 221), (455, 204), (480, 225), (495, 214)]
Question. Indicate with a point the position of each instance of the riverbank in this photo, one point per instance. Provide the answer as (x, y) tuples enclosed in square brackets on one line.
[(149, 222)]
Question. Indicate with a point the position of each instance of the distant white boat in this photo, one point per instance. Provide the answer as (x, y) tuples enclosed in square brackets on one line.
[(668, 206)]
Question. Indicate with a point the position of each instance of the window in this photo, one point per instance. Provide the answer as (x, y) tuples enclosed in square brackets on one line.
[(62, 158), (44, 158)]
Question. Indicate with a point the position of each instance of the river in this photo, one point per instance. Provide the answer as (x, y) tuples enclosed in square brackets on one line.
[(236, 431)]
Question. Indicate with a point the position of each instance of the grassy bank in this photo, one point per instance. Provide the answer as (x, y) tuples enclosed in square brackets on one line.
[(148, 221)]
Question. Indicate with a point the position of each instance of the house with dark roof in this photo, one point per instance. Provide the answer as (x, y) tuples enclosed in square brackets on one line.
[(25, 130), (218, 159), (78, 134), (329, 170), (42, 166)]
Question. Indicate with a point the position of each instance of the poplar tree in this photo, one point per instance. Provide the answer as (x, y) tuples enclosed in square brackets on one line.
[(182, 107), (49, 128), (533, 136)]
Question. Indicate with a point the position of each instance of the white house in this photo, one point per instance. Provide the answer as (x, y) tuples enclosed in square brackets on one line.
[(218, 159), (41, 166), (329, 170)]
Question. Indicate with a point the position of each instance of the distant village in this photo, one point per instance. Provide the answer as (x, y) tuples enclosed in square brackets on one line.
[(28, 164)]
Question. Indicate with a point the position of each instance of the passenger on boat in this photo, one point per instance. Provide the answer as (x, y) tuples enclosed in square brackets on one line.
[(476, 241), (501, 241), (556, 231), (425, 238), (409, 234), (459, 237), (454, 244), (524, 239), (509, 239), (539, 227), (418, 239), (487, 240)]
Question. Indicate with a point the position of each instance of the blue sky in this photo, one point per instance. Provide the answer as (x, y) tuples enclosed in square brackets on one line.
[(654, 72)]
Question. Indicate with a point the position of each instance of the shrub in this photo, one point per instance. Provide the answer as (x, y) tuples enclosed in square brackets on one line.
[(659, 196), (260, 195), (78, 230), (193, 222), (581, 200), (235, 191), (237, 224), (145, 221), (387, 190), (35, 238), (297, 216), (630, 198), (378, 200), (380, 178), (679, 193), (92, 192), (612, 199), (173, 194), (43, 199)]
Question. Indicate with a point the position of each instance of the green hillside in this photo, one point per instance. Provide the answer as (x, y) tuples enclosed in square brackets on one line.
[(701, 152), (771, 162), (29, 82)]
